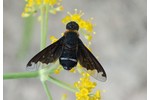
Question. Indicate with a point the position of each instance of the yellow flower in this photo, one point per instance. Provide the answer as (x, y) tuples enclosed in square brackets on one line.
[(86, 26), (32, 6), (82, 94), (57, 71), (73, 17), (88, 37), (73, 70), (52, 2), (64, 97), (95, 96), (85, 86), (53, 39)]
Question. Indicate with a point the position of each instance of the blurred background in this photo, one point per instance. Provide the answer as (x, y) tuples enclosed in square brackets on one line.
[(120, 44)]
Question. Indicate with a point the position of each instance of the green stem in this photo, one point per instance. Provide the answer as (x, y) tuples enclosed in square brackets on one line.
[(44, 29), (44, 25), (43, 34), (32, 74), (46, 20), (62, 84), (21, 75), (46, 90)]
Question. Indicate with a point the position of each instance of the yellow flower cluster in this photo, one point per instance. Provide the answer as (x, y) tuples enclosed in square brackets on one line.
[(85, 86), (86, 26), (32, 6)]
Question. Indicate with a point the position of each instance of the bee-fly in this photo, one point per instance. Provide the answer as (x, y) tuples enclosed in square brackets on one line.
[(70, 50)]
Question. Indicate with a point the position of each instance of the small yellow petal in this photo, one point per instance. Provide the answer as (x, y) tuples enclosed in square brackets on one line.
[(57, 71), (25, 14), (84, 91), (60, 8), (38, 2), (73, 70), (66, 19), (52, 2), (53, 39), (88, 37), (64, 97), (97, 94), (46, 1)]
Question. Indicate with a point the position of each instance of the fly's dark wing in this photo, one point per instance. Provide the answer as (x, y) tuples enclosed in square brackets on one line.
[(49, 54), (90, 63)]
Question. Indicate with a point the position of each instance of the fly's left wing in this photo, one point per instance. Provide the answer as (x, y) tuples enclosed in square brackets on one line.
[(90, 63), (49, 54)]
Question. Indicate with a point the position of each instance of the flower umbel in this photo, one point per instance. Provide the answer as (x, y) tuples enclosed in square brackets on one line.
[(32, 6), (85, 86), (86, 26)]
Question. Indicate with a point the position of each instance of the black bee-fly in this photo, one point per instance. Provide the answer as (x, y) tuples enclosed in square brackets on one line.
[(70, 49)]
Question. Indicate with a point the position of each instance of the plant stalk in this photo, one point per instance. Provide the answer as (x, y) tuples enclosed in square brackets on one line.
[(44, 25), (62, 84), (21, 75), (47, 90)]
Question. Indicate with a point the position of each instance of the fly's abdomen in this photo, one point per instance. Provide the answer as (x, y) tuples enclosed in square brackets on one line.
[(68, 59)]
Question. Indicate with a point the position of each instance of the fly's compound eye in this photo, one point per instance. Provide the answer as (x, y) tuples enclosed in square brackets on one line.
[(72, 26)]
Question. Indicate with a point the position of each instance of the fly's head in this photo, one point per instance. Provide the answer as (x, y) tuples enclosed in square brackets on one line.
[(72, 26)]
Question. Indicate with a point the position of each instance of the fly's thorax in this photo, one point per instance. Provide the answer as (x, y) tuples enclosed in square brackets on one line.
[(71, 38)]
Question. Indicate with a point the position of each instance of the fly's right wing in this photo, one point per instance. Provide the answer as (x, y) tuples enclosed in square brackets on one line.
[(89, 63)]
